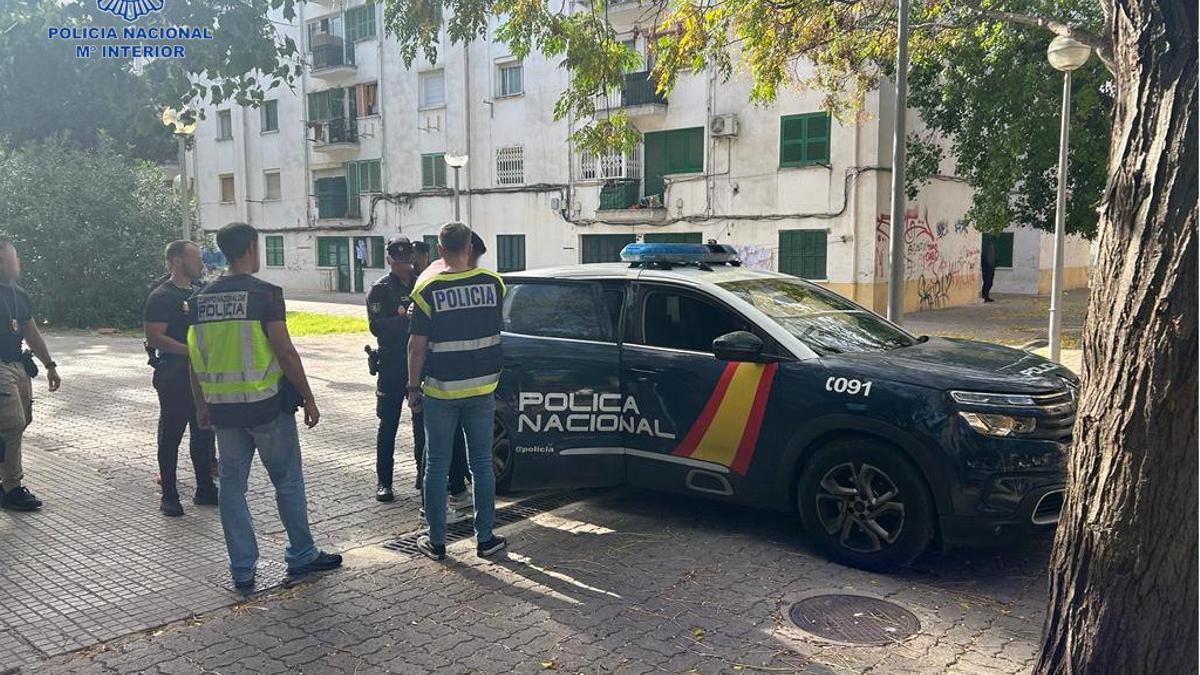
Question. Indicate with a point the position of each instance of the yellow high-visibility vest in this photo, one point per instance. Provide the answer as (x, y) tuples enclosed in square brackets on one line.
[(233, 361)]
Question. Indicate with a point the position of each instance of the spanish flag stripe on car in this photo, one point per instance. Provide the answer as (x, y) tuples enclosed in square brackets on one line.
[(727, 429)]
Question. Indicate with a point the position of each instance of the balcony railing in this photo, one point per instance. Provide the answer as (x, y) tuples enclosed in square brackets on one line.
[(337, 131), (640, 89), (334, 53), (620, 194), (334, 205)]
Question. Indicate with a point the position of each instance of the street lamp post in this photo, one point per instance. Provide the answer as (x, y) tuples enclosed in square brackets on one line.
[(1066, 55), (895, 305), (183, 124), (456, 162)]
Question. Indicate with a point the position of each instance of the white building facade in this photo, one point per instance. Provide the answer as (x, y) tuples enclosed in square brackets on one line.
[(354, 154)]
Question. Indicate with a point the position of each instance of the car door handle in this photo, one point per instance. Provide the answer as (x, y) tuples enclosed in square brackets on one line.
[(644, 371)]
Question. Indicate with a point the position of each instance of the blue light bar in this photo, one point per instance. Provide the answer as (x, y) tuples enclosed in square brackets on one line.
[(679, 253)]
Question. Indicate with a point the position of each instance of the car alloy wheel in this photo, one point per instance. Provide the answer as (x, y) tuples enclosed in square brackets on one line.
[(859, 504)]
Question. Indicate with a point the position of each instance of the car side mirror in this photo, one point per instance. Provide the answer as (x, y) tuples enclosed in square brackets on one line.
[(740, 345)]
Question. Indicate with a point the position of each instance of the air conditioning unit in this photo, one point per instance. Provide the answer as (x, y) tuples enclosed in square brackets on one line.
[(723, 125)]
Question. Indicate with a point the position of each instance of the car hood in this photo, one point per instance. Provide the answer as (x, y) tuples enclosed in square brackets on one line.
[(947, 363)]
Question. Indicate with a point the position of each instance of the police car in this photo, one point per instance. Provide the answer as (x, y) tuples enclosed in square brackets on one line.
[(680, 370)]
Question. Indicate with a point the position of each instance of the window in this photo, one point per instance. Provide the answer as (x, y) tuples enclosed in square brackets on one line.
[(367, 97), (671, 152), (510, 165), (674, 238), (227, 194), (595, 248), (433, 89), (270, 116), (378, 253), (433, 171), (332, 197), (802, 253), (679, 321), (509, 81), (272, 190), (360, 22), (804, 139), (610, 165), (431, 240), (224, 125), (274, 250), (558, 310), (364, 176), (331, 251), (327, 105), (1003, 243), (510, 252)]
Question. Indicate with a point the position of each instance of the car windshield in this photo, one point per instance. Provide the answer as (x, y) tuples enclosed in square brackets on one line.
[(826, 322)]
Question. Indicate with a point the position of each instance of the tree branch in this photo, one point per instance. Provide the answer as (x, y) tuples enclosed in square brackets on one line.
[(1100, 44)]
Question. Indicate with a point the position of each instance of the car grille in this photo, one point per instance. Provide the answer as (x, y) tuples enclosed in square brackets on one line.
[(1055, 416), (1048, 508)]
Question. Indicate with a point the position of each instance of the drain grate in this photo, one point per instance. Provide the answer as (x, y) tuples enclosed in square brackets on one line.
[(505, 515), (853, 619)]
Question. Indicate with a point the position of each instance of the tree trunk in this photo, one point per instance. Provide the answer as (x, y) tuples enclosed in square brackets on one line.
[(1123, 580)]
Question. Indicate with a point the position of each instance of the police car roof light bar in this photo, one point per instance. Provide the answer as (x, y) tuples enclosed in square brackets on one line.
[(666, 255)]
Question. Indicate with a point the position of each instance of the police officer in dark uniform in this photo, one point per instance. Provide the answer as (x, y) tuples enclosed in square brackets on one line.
[(387, 310)]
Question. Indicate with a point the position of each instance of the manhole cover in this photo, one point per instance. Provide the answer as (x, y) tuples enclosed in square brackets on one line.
[(855, 619)]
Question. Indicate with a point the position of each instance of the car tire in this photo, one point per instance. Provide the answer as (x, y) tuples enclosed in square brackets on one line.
[(865, 504), (502, 456)]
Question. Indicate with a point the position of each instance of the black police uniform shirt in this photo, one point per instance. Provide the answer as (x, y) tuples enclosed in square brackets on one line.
[(264, 302), (169, 304), (15, 309), (387, 312), (461, 314)]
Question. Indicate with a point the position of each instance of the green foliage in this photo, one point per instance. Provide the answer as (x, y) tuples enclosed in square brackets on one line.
[(300, 324), (89, 226), (45, 91)]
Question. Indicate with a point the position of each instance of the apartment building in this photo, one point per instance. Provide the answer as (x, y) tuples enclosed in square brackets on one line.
[(355, 153)]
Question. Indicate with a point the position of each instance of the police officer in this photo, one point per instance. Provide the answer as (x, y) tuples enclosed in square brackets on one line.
[(166, 326), (387, 311)]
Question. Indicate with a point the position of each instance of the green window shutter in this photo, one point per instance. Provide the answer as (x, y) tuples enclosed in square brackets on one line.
[(694, 158), (596, 248), (433, 171), (331, 197), (431, 240), (674, 238), (654, 156), (791, 140), (804, 139), (274, 251), (816, 135), (326, 253), (803, 253), (360, 22), (510, 252), (373, 179), (377, 252)]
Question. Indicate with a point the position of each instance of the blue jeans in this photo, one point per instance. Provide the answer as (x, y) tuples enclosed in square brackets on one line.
[(442, 419), (279, 449)]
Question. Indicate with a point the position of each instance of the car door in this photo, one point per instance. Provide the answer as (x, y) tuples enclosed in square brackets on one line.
[(559, 394), (697, 417)]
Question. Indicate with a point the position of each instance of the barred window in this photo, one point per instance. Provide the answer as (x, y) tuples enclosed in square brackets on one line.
[(610, 165), (510, 165)]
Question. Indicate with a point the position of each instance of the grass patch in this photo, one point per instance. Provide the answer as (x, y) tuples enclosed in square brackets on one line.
[(301, 324)]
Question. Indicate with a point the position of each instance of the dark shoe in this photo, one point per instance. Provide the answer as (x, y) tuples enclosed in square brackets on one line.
[(206, 497), (383, 493), (988, 300), (170, 506), (20, 499), (429, 549), (491, 547), (322, 563), (244, 584)]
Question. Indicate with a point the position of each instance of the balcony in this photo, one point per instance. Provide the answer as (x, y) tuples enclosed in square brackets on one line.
[(333, 202), (622, 193), (331, 56), (339, 133)]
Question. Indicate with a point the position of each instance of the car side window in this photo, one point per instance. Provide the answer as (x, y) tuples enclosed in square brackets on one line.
[(680, 321), (557, 310), (614, 303)]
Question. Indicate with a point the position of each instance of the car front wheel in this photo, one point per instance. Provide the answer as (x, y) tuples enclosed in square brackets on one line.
[(865, 504)]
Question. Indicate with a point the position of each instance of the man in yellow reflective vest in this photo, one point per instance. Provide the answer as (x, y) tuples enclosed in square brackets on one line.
[(248, 382)]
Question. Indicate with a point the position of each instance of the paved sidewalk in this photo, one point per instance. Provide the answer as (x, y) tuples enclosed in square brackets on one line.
[(619, 581), (1011, 320)]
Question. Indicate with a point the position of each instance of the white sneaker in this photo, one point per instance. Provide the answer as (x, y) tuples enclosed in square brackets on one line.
[(452, 516), (462, 501)]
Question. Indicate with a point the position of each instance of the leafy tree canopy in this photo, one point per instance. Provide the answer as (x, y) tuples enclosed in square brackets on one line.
[(89, 225), (969, 58), (45, 91)]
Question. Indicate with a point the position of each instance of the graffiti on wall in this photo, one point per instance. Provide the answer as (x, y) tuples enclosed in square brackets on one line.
[(934, 263), (756, 257)]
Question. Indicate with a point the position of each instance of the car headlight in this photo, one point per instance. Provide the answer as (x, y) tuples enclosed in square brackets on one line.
[(990, 424), (982, 398)]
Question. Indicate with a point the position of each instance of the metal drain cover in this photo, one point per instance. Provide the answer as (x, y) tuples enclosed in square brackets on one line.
[(853, 619)]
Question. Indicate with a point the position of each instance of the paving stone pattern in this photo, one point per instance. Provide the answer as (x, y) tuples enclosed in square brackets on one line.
[(622, 581)]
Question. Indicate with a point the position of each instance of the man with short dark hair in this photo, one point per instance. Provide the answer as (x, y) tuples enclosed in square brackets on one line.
[(248, 382), (166, 319), (457, 323), (16, 390)]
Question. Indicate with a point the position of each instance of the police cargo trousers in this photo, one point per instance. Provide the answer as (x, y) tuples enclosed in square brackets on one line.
[(177, 413), (279, 449), (16, 411), (476, 415)]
